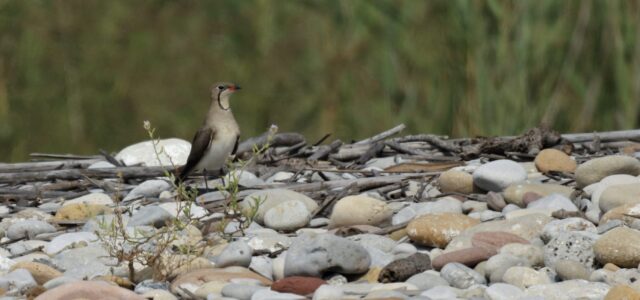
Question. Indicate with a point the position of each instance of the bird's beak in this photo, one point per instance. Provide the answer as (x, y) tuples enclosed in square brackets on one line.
[(235, 87)]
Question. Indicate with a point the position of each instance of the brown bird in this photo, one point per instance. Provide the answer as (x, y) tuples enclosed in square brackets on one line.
[(217, 138)]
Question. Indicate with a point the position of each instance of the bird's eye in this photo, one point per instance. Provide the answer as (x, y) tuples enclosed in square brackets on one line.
[(221, 87)]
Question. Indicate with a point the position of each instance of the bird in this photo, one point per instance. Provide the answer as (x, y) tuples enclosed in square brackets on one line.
[(218, 136)]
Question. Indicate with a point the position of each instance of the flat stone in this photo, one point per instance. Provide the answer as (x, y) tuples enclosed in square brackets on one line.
[(554, 160), (623, 213), (442, 205), (595, 190), (40, 272), (312, 255), (240, 291), (84, 262), (28, 229), (359, 210), (503, 291), (174, 151), (453, 181), (570, 269), (552, 203), (192, 280), (151, 215), (427, 280), (88, 290), (287, 216), (272, 197), (468, 257), (596, 169), (619, 246), (149, 188), (92, 198), (17, 282), (619, 195), (437, 230), (461, 276), (299, 285), (570, 289), (328, 292), (515, 193), (495, 240), (81, 211), (497, 265), (66, 240), (497, 175), (534, 254)]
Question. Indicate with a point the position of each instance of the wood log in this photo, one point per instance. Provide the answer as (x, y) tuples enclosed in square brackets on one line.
[(75, 174)]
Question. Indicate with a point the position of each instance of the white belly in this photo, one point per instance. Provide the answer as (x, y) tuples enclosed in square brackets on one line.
[(217, 154)]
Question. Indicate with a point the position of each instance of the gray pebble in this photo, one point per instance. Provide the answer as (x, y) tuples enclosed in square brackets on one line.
[(427, 280), (461, 276), (497, 175), (498, 264), (17, 282), (240, 291), (573, 245), (237, 253), (150, 215), (28, 229)]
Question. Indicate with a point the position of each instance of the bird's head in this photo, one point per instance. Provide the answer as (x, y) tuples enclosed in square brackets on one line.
[(221, 91)]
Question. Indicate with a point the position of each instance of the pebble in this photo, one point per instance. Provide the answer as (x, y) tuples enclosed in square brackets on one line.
[(619, 195), (175, 151), (497, 265), (437, 230), (240, 291), (65, 240), (266, 294), (469, 257), (524, 277), (497, 175), (237, 253), (443, 205), (311, 255), (453, 181), (461, 276), (81, 211), (556, 227), (571, 245), (287, 216), (440, 293), (553, 202), (532, 253), (152, 215), (515, 193), (28, 229), (622, 292), (554, 160), (92, 198), (88, 290), (503, 291), (17, 282), (571, 269), (427, 280), (267, 199), (147, 189), (595, 190), (40, 272), (569, 289), (359, 210), (299, 285), (596, 169), (328, 292), (619, 246)]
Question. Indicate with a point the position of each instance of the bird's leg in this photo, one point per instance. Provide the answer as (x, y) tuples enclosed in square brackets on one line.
[(206, 185), (221, 171)]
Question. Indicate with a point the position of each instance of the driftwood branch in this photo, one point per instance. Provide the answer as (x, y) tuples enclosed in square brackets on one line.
[(279, 139), (381, 136), (75, 174)]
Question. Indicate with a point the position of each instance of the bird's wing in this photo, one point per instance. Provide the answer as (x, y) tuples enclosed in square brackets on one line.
[(199, 146)]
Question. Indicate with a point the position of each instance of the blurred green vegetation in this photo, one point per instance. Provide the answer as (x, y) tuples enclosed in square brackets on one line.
[(80, 75)]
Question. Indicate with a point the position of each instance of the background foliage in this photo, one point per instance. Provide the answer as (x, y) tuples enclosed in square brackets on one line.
[(79, 75)]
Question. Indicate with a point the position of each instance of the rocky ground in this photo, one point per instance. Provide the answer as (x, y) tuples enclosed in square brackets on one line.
[(539, 216)]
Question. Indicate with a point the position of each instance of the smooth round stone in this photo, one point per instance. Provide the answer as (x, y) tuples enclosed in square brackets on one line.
[(328, 292), (571, 245), (240, 291), (298, 285), (158, 294), (101, 165), (175, 151), (268, 199), (497, 175), (89, 290), (177, 210), (555, 227), (312, 255), (280, 177), (244, 178), (527, 227), (149, 188), (28, 229), (619, 195), (92, 198), (65, 240), (595, 190), (437, 230), (621, 213), (20, 247), (368, 240), (596, 169), (502, 291), (287, 216), (318, 222), (359, 210), (622, 292), (620, 246), (194, 279), (473, 206), (489, 215), (443, 205), (453, 181), (532, 253), (554, 160), (498, 264), (84, 262), (404, 249), (461, 276), (570, 269), (81, 211), (625, 276), (515, 193), (151, 215), (237, 253), (427, 280), (570, 289), (524, 277), (17, 282), (269, 242), (553, 202), (58, 281)]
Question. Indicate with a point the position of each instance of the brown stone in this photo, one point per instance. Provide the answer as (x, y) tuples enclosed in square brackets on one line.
[(88, 290), (40, 272), (453, 181), (401, 269), (554, 160), (622, 292), (619, 246), (468, 257), (494, 240), (297, 285), (81, 211), (437, 230), (626, 213), (529, 197)]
